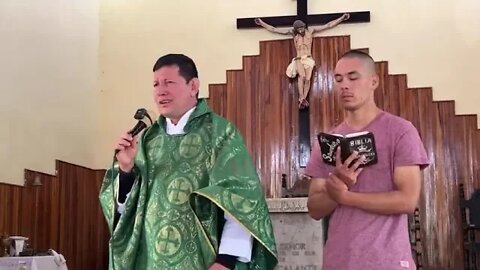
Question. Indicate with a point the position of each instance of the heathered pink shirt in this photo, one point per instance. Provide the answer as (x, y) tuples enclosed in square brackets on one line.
[(360, 240)]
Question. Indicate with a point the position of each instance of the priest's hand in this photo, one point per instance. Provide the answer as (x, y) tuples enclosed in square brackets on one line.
[(348, 171), (127, 147), (217, 266)]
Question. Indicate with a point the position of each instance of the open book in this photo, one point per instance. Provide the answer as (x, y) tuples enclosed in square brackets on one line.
[(362, 142)]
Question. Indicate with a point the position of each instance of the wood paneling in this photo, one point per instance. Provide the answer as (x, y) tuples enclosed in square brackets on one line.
[(261, 101), (62, 214), (83, 230), (31, 211)]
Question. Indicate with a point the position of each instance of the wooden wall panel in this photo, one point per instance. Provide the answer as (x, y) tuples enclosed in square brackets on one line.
[(262, 102), (267, 115), (218, 98), (325, 110), (31, 211), (45, 210), (10, 197), (62, 214), (83, 230)]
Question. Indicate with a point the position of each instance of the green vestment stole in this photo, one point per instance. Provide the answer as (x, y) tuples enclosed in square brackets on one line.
[(173, 217)]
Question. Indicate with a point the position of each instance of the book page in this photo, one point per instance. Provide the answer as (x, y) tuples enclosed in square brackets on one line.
[(356, 134)]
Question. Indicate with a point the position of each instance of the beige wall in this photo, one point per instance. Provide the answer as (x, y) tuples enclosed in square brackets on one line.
[(48, 81), (434, 42), (53, 106)]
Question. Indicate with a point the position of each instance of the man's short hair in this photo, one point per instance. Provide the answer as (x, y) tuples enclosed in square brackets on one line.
[(365, 57), (357, 54), (186, 66)]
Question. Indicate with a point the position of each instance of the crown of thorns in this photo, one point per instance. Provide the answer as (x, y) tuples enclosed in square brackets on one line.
[(298, 24)]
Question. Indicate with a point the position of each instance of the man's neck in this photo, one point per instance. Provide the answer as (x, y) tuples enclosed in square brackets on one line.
[(176, 119), (361, 117)]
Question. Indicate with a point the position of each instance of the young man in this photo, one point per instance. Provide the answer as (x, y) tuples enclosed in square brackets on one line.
[(188, 196), (368, 228)]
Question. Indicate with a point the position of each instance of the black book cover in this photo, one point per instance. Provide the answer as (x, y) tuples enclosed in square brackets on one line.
[(362, 142)]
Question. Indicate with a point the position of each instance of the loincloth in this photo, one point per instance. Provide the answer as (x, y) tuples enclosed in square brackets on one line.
[(307, 62)]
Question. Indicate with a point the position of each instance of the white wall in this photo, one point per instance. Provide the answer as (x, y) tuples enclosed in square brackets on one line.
[(74, 72), (48, 82), (435, 42)]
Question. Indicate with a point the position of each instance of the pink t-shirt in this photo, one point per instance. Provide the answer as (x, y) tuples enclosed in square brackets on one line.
[(362, 240)]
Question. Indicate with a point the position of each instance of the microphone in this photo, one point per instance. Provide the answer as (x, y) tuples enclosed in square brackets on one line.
[(144, 121), (141, 115)]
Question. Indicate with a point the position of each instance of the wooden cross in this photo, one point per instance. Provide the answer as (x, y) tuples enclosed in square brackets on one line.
[(302, 14), (314, 19)]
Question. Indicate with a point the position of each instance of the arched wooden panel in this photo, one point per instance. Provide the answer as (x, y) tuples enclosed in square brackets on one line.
[(262, 102)]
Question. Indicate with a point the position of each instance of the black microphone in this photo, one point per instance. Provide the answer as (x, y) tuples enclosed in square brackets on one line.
[(144, 121), (140, 115)]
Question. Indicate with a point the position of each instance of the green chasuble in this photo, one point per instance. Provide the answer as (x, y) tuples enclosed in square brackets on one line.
[(174, 215)]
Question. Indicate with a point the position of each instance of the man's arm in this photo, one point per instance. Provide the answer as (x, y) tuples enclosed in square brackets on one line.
[(403, 200), (272, 29), (330, 24), (235, 244), (319, 203), (236, 240), (125, 184)]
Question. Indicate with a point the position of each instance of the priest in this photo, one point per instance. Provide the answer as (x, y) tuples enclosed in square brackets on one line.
[(185, 194)]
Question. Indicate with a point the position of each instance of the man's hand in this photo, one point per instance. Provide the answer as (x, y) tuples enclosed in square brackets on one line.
[(127, 147), (336, 189), (345, 16), (217, 266), (348, 171), (319, 203)]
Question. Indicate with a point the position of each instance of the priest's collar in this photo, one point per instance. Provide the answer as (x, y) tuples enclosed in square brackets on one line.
[(173, 129), (185, 121)]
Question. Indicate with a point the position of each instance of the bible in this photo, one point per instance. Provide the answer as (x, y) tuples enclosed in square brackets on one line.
[(362, 142)]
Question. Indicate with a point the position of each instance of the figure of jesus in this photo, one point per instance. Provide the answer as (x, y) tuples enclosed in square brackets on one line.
[(303, 64)]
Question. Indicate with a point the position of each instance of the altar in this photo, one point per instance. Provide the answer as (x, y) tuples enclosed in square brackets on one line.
[(31, 263), (299, 238)]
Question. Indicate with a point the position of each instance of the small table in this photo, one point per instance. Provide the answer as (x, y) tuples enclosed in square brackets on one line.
[(31, 263)]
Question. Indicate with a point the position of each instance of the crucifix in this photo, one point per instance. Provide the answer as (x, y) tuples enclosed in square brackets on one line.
[(303, 64), (302, 14)]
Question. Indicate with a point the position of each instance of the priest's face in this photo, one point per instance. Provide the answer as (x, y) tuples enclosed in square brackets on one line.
[(355, 83), (172, 94)]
